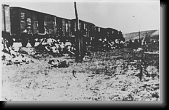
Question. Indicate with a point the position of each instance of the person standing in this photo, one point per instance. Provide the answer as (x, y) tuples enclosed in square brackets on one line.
[(146, 41)]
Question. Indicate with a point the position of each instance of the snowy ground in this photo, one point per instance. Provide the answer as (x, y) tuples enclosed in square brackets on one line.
[(104, 76)]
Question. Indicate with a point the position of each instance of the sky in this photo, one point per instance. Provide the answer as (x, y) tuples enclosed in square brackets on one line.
[(125, 15)]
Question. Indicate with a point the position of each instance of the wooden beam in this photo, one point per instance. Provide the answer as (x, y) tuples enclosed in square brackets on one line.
[(78, 39)]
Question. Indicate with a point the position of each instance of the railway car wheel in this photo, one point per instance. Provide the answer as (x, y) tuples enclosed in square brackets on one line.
[(32, 42), (24, 42)]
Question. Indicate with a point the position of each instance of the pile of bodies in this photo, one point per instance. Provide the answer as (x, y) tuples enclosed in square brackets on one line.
[(13, 56), (58, 48)]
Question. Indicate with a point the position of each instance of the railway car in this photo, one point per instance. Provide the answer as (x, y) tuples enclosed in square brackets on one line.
[(87, 31), (25, 25), (111, 34), (120, 37), (101, 38)]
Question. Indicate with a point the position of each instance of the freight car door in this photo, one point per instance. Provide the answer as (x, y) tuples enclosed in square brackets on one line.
[(41, 23), (35, 23), (29, 22), (23, 28), (63, 27), (15, 21), (49, 23), (55, 27)]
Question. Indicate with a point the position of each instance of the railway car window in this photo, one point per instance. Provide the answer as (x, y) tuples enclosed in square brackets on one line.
[(29, 25), (23, 25), (98, 29), (69, 28), (49, 23), (35, 24), (22, 15), (66, 27), (28, 21), (63, 27)]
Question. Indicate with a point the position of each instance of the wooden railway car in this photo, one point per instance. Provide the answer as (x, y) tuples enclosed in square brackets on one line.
[(115, 36), (64, 30), (25, 25), (111, 34), (100, 38), (87, 31), (88, 34)]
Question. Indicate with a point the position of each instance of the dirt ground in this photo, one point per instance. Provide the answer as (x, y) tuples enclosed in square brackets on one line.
[(103, 76)]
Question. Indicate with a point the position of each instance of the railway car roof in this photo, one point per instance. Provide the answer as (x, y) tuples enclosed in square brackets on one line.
[(111, 29), (84, 21), (62, 18), (39, 12)]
